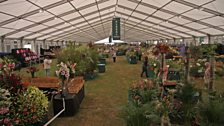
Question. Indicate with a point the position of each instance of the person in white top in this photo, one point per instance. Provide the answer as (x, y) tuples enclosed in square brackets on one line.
[(114, 55), (47, 65)]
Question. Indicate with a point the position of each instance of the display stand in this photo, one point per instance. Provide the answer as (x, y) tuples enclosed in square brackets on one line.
[(71, 104)]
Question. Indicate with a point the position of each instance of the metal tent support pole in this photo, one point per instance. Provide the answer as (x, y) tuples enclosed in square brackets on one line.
[(212, 65), (3, 43)]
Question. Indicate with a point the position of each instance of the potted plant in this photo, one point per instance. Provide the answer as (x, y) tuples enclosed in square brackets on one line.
[(32, 70), (25, 106), (5, 102), (63, 74), (86, 58), (211, 113), (31, 107)]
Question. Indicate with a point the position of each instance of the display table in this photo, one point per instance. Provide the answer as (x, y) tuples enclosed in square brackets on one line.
[(45, 82), (76, 86), (170, 84)]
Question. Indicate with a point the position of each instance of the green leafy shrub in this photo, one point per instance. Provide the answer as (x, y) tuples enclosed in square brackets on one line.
[(86, 58), (31, 106), (189, 97), (140, 116), (212, 112)]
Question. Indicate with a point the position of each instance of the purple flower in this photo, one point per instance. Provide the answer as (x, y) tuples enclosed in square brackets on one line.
[(62, 72)]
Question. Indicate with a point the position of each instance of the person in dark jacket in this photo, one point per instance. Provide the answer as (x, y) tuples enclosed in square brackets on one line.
[(145, 67)]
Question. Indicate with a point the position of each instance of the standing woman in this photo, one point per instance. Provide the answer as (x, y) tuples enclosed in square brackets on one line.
[(145, 67), (207, 75), (47, 65)]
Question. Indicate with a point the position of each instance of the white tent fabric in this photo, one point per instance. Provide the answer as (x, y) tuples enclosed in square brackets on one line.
[(106, 41), (103, 41), (90, 20)]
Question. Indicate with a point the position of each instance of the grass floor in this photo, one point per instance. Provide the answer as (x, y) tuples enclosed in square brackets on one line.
[(105, 95)]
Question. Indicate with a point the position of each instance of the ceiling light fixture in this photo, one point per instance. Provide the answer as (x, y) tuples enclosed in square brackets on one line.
[(41, 11)]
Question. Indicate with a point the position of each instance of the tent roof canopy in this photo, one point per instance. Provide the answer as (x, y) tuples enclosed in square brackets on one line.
[(90, 20), (106, 41)]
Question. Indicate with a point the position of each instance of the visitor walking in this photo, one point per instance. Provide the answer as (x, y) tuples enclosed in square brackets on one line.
[(207, 74), (145, 67), (114, 55), (139, 55), (47, 65)]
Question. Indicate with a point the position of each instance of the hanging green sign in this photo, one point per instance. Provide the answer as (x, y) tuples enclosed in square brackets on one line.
[(116, 29), (201, 40)]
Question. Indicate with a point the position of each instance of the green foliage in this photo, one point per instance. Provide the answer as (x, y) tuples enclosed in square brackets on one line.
[(173, 64), (196, 52), (141, 110), (189, 96), (86, 58), (212, 112), (148, 95), (140, 116), (209, 49), (31, 106)]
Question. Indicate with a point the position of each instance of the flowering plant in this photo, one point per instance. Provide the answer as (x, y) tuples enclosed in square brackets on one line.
[(160, 48), (5, 102), (71, 67), (32, 70), (31, 107), (142, 92), (7, 65), (63, 72), (8, 79)]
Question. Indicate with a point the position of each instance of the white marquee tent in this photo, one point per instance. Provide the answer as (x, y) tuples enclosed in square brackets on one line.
[(60, 21), (106, 41)]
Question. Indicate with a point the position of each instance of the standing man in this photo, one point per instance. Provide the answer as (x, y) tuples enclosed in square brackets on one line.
[(145, 67), (47, 65), (114, 55)]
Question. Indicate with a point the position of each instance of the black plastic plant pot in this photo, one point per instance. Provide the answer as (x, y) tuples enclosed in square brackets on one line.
[(101, 68), (71, 104), (133, 60), (102, 61)]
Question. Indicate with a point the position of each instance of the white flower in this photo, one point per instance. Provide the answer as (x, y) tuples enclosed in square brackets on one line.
[(154, 64), (198, 64), (57, 72)]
